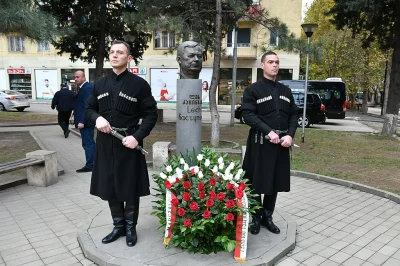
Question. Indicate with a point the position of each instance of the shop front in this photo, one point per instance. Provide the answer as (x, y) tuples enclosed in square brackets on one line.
[(20, 80), (243, 79)]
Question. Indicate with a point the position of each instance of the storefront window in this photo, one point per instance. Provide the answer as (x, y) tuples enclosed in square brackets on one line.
[(243, 79), (21, 83), (67, 77)]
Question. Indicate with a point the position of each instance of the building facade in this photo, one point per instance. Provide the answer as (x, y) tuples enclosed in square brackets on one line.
[(35, 69)]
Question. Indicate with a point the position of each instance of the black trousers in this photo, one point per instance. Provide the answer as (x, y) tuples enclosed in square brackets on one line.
[(268, 202), (63, 119), (127, 213)]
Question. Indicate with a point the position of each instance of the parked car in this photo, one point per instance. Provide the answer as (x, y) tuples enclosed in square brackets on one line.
[(13, 100), (315, 110)]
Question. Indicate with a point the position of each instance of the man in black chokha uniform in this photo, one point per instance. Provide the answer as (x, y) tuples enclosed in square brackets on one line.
[(120, 175), (269, 109)]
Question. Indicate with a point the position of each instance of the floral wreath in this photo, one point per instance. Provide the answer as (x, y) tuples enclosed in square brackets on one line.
[(204, 208)]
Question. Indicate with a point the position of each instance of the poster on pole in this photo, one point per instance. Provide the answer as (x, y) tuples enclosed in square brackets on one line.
[(205, 76), (163, 84), (46, 83)]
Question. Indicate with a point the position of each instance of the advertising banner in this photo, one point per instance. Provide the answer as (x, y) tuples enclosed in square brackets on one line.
[(46, 83), (163, 84), (2, 79), (205, 76)]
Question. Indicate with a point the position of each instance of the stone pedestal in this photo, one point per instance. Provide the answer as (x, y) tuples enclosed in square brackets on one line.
[(39, 175), (160, 153), (188, 116)]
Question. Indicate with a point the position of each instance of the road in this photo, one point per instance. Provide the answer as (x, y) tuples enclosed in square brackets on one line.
[(351, 123)]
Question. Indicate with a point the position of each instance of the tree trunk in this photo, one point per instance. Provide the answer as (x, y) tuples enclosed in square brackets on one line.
[(215, 78), (364, 107), (387, 85), (389, 126), (101, 37)]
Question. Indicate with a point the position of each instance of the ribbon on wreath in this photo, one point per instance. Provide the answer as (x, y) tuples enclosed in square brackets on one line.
[(242, 228), (170, 211)]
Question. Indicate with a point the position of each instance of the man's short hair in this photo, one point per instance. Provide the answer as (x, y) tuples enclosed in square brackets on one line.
[(265, 54), (183, 46), (128, 47), (46, 80)]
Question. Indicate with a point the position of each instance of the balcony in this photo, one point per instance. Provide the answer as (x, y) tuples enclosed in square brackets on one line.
[(244, 51)]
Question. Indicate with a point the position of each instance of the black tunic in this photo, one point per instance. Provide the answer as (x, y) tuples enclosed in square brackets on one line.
[(268, 105), (119, 172)]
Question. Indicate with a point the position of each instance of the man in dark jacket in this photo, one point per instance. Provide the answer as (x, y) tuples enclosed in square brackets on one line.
[(118, 102), (84, 90), (269, 109), (63, 100)]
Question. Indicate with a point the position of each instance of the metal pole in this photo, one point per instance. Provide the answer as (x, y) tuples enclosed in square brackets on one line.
[(234, 73), (305, 92)]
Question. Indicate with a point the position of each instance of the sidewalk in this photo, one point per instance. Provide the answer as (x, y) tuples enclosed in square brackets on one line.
[(336, 225)]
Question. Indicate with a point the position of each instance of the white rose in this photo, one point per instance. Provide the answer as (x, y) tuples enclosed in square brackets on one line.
[(207, 163), (240, 171), (215, 169), (180, 176), (227, 171), (200, 174), (178, 171), (221, 166), (237, 177), (225, 177), (171, 179), (168, 168), (182, 161), (186, 167), (220, 160), (200, 157), (229, 177), (163, 176), (196, 169), (231, 165)]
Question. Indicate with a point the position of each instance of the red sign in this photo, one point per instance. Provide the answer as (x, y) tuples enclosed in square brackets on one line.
[(134, 70), (15, 70)]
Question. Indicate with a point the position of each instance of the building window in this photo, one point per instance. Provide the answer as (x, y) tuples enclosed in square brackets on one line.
[(243, 38), (164, 39), (273, 38), (16, 44), (255, 2), (43, 46)]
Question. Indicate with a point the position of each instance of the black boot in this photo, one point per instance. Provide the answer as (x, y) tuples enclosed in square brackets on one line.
[(255, 228), (266, 221), (117, 213), (131, 217)]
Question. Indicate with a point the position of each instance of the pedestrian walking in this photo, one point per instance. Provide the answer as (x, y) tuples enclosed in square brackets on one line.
[(63, 100)]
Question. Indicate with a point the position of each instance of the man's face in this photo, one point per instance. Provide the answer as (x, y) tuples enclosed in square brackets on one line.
[(79, 78), (191, 59), (46, 83), (270, 66), (118, 56)]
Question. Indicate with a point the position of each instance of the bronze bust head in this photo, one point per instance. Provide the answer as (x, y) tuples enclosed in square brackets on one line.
[(190, 59)]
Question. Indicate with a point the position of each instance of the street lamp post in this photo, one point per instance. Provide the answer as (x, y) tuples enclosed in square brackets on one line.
[(308, 30)]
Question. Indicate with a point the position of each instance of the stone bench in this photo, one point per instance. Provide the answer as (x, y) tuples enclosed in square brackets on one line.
[(41, 168)]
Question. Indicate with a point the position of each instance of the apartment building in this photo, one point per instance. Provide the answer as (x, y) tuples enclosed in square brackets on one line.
[(35, 69)]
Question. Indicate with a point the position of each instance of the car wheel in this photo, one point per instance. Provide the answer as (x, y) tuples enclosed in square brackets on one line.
[(306, 121), (20, 109), (2, 108), (242, 120)]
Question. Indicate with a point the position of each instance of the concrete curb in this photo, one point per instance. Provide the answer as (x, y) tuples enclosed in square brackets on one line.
[(375, 191), (29, 125), (59, 167)]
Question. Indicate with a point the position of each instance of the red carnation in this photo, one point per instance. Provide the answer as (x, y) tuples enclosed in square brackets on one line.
[(187, 223), (181, 212), (187, 184), (177, 180), (221, 196), (212, 182), (168, 185), (230, 186), (186, 196), (192, 172), (206, 214), (202, 195), (175, 202), (242, 186), (200, 186), (230, 204), (212, 194), (230, 217), (194, 206), (209, 203), (239, 193)]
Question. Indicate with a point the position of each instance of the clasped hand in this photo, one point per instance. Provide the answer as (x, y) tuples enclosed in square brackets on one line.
[(285, 141)]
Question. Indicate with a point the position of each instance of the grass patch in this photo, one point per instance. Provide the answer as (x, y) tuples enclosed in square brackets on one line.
[(26, 117)]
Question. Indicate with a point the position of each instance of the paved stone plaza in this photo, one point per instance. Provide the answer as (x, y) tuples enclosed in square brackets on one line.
[(336, 225)]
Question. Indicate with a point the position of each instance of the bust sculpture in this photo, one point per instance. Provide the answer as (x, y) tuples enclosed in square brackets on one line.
[(190, 59)]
